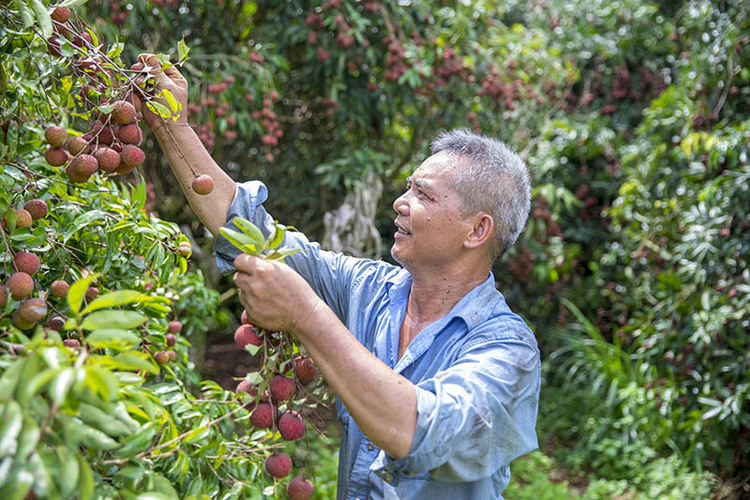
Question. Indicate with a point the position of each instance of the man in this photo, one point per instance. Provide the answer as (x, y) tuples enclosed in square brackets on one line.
[(437, 380)]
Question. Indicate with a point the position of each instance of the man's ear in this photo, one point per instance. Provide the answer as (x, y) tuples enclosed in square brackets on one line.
[(481, 230)]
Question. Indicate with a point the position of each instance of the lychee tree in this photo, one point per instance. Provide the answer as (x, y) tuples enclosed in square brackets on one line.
[(98, 395)]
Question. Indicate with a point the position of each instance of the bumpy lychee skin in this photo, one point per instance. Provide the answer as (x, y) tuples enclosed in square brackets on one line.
[(263, 416), (108, 158), (56, 157), (37, 208), (279, 464), (103, 134), (130, 134), (282, 388), (32, 310), (23, 218), (203, 184), (20, 285), (26, 262), (132, 155), (170, 339), (123, 112), (174, 326), (59, 288), (60, 14), (3, 296), (81, 168), (161, 357), (304, 369), (55, 136), (299, 488), (245, 335), (76, 144), (291, 426)]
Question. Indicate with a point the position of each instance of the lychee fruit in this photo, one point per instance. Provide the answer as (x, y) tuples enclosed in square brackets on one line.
[(72, 343), (108, 158), (32, 310), (279, 464), (299, 488), (304, 369), (132, 155), (171, 339), (282, 388), (184, 248), (76, 144), (161, 357), (59, 288), (19, 322), (104, 134), (291, 426), (123, 112), (3, 297), (55, 136), (245, 335), (203, 184), (174, 326), (263, 416), (37, 208), (23, 218), (26, 262), (130, 134), (92, 292), (20, 285), (56, 322), (172, 355), (246, 387), (56, 157), (60, 14), (81, 168)]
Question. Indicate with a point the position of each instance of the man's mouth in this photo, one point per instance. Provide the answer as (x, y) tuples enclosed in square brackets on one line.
[(401, 230)]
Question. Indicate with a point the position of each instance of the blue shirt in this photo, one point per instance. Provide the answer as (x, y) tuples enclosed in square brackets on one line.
[(476, 371)]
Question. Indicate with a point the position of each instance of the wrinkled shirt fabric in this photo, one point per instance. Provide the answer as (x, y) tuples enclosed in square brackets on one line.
[(476, 371)]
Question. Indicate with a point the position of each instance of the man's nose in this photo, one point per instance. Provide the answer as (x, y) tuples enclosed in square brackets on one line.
[(401, 206)]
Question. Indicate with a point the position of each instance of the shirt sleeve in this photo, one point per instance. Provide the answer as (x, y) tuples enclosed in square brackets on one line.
[(330, 274), (478, 415)]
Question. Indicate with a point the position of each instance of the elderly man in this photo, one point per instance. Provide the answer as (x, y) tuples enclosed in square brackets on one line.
[(437, 379)]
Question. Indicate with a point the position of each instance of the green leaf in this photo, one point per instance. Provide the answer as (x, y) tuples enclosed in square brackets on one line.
[(27, 16), (197, 434), (10, 428), (77, 292), (278, 237), (61, 384), (135, 360), (112, 319), (45, 21), (83, 220), (249, 229), (115, 299), (182, 51), (86, 482), (102, 420), (174, 106), (68, 467), (113, 339), (239, 240), (159, 109)]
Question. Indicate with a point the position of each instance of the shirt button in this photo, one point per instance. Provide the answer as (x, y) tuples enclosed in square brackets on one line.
[(387, 477), (370, 446)]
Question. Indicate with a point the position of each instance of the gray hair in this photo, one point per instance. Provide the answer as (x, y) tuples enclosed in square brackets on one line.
[(495, 180)]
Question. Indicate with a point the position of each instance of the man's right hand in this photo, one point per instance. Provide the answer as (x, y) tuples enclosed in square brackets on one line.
[(170, 79)]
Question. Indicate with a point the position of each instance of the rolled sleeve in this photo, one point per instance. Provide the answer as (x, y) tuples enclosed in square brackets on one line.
[(476, 416)]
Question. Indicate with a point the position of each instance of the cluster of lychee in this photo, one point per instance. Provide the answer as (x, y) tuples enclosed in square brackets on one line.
[(272, 408), (165, 356)]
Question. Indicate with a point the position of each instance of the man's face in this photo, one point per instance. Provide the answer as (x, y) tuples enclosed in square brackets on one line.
[(430, 226)]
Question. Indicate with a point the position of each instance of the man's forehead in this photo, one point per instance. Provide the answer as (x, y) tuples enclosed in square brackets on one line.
[(437, 165)]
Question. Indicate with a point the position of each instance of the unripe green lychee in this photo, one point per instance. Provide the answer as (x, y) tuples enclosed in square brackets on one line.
[(26, 262), (263, 416), (132, 155), (37, 208), (282, 388), (130, 134), (56, 157), (291, 426), (203, 184), (60, 14), (245, 335), (299, 488), (32, 310), (279, 464), (72, 343), (174, 326), (55, 135), (123, 112), (20, 285), (76, 144), (59, 288), (81, 168), (108, 158), (23, 218)]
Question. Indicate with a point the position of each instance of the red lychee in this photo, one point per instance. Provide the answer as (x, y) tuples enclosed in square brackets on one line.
[(263, 416), (132, 155), (174, 326), (20, 285), (37, 208), (108, 158), (26, 262), (245, 335), (104, 134), (3, 297), (23, 218), (130, 134), (56, 322), (171, 339), (76, 144), (55, 136), (291, 426), (203, 184), (282, 388), (123, 112), (304, 369), (81, 168), (172, 355), (92, 292), (59, 288), (279, 464), (161, 357), (56, 157), (246, 387), (299, 488), (32, 310), (72, 343), (60, 14)]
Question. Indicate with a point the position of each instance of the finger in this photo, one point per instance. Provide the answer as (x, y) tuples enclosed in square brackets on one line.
[(246, 263)]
